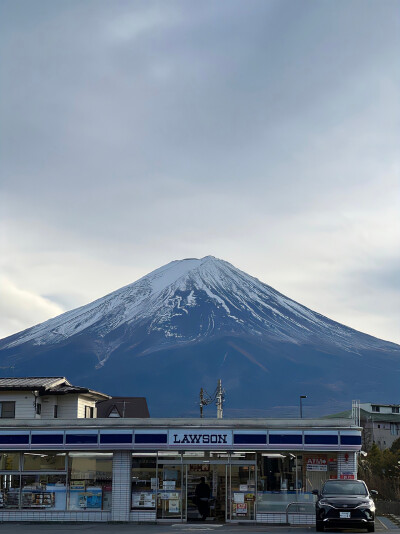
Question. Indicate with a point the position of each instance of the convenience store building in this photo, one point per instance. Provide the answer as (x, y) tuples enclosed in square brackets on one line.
[(134, 470)]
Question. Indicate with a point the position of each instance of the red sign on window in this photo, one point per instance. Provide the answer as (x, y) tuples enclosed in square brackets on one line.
[(347, 477)]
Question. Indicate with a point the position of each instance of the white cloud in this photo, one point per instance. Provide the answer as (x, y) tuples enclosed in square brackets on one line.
[(20, 309)]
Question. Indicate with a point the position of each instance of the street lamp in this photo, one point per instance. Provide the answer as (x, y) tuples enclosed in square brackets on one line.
[(301, 405)]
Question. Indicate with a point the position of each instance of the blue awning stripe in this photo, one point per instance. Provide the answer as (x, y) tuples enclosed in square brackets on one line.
[(47, 439), (285, 439), (115, 438), (321, 439), (250, 439), (350, 440), (150, 438), (14, 439), (81, 439)]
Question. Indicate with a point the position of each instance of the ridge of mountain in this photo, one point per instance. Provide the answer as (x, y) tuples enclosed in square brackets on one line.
[(171, 289), (197, 312)]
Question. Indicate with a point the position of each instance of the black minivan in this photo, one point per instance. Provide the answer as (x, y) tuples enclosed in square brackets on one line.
[(345, 504)]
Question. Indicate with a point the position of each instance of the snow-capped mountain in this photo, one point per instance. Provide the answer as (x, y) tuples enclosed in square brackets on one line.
[(178, 309)]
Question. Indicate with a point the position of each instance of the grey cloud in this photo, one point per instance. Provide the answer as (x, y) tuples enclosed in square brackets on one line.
[(148, 130)]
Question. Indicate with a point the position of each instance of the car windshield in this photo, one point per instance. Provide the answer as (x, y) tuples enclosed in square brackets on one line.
[(348, 488)]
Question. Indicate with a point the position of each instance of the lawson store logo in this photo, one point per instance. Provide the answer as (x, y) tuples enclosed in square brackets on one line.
[(200, 437)]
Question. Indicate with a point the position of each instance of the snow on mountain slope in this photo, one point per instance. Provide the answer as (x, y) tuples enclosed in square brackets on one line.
[(189, 300)]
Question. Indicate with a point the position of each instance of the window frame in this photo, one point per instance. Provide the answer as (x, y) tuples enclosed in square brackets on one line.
[(9, 404)]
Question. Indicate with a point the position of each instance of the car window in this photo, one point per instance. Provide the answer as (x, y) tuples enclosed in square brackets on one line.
[(349, 488)]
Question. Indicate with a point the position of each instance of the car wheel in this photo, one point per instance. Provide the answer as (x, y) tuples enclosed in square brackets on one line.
[(371, 527), (319, 527)]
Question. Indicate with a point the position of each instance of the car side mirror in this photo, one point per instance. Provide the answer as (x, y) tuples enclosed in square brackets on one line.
[(373, 492), (315, 492)]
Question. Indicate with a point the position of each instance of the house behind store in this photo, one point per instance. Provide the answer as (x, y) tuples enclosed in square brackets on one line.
[(380, 423), (135, 407), (46, 398)]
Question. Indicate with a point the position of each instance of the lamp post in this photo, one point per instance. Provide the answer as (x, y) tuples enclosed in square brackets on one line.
[(301, 405)]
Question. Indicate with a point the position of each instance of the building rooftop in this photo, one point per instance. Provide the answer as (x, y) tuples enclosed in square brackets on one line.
[(47, 385), (31, 382), (133, 407), (177, 422)]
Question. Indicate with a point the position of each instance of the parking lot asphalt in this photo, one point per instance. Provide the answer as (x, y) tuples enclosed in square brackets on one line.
[(383, 524)]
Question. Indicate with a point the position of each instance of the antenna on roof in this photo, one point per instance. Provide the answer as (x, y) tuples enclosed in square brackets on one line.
[(205, 399), (218, 396), (355, 412)]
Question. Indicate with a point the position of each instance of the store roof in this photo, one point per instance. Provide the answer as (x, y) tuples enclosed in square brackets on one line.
[(192, 423)]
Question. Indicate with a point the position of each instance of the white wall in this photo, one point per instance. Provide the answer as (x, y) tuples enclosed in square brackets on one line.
[(86, 401), (48, 404), (24, 403), (69, 406)]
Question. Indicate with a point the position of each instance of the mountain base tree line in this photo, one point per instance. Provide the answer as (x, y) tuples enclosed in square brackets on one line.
[(380, 470)]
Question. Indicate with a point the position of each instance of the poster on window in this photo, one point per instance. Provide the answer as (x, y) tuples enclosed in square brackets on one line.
[(173, 506), (241, 508), (317, 463), (91, 499), (144, 499)]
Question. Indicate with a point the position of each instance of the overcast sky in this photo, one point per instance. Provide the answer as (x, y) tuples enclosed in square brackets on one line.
[(265, 133)]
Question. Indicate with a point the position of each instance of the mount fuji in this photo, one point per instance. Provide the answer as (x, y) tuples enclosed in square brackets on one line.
[(193, 321)]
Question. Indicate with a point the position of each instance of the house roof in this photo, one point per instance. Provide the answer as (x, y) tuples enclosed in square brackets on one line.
[(47, 385), (372, 416), (135, 407), (31, 382), (367, 416)]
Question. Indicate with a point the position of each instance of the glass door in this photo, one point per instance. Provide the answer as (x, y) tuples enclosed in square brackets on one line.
[(215, 477), (169, 496), (242, 492)]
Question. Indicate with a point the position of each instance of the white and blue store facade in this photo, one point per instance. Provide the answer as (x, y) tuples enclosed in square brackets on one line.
[(147, 469)]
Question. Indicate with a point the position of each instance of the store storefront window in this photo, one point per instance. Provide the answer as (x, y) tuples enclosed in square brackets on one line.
[(9, 461), (43, 491), (144, 481), (10, 491), (288, 477), (90, 476), (44, 461), (317, 468)]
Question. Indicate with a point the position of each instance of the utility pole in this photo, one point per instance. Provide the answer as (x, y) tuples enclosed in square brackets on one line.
[(220, 399), (217, 396)]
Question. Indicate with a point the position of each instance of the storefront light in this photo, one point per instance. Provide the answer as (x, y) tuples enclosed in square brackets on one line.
[(99, 455), (268, 455)]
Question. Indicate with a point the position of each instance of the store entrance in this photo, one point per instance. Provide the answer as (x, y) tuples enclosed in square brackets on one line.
[(232, 483), (215, 476)]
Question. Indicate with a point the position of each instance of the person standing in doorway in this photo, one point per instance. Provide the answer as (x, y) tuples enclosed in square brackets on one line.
[(203, 493)]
